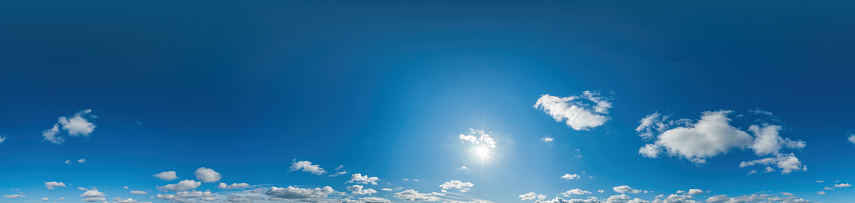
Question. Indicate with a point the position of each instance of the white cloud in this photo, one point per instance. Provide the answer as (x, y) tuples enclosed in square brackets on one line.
[(579, 112), (357, 190), (338, 174), (678, 198), (363, 179), (167, 175), (292, 192), (67, 161), (456, 184), (374, 200), (137, 192), (81, 161), (786, 162), (129, 200), (307, 166), (852, 138), (828, 188), (53, 184), (2, 139), (712, 135), (601, 191), (548, 139), (207, 175), (193, 194), (93, 196), (532, 196), (45, 199), (575, 192), (570, 176), (77, 125), (478, 137), (225, 186), (718, 198), (695, 191), (180, 186), (842, 185), (412, 196), (821, 193), (618, 198), (61, 198), (625, 189), (14, 196)]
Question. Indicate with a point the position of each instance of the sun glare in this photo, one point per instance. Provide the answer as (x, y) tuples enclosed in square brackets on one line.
[(482, 152)]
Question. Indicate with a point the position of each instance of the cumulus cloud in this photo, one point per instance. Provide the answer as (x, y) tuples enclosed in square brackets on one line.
[(93, 196), (77, 125), (81, 161), (695, 191), (852, 138), (570, 176), (207, 175), (478, 137), (575, 192), (412, 196), (307, 166), (357, 190), (363, 179), (713, 135), (456, 184), (583, 112), (225, 186), (618, 198), (167, 175), (53, 184), (180, 186), (786, 162), (532, 196), (138, 192), (292, 192), (718, 198), (842, 185), (14, 196), (548, 139), (625, 189)]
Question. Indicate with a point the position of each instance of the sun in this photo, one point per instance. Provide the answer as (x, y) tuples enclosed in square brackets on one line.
[(482, 152)]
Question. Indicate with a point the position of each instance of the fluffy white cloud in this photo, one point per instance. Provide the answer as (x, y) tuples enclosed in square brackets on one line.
[(363, 179), (2, 139), (821, 193), (852, 138), (579, 112), (138, 192), (374, 200), (625, 189), (548, 139), (193, 194), (695, 191), (575, 192), (53, 184), (167, 175), (412, 196), (456, 184), (478, 137), (842, 185), (45, 199), (559, 200), (225, 186), (357, 190), (570, 176), (713, 135), (207, 175), (786, 162), (129, 200), (93, 196), (718, 198), (532, 196), (77, 125), (81, 161), (618, 198), (292, 192), (307, 166), (391, 189), (14, 196), (180, 186)]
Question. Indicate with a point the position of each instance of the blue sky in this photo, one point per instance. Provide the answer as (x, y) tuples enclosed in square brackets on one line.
[(399, 101)]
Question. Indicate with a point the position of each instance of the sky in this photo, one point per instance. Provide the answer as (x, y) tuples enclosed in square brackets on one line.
[(427, 101)]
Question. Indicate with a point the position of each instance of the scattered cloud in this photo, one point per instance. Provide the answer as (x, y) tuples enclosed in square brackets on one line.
[(180, 186), (456, 184), (478, 137), (167, 175), (81, 161), (695, 191), (357, 190), (532, 196), (137, 192), (625, 189), (363, 179), (413, 196), (14, 196), (2, 139), (207, 175), (292, 192), (575, 192), (53, 184), (821, 193), (852, 138), (570, 176), (548, 139), (786, 162), (225, 186), (583, 112), (77, 125), (307, 166), (93, 196), (842, 185)]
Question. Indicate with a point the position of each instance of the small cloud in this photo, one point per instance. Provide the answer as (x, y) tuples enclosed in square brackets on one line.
[(456, 184), (842, 185), (67, 161), (583, 112), (77, 125), (852, 138), (626, 189), (363, 179), (207, 175), (821, 193), (53, 184), (463, 168), (81, 161), (548, 139), (225, 186), (306, 166), (570, 176), (138, 192), (167, 175)]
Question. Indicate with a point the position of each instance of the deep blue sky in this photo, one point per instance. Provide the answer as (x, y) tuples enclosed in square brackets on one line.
[(385, 89)]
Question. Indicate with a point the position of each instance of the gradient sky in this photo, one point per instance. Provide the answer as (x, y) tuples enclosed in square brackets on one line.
[(389, 101)]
